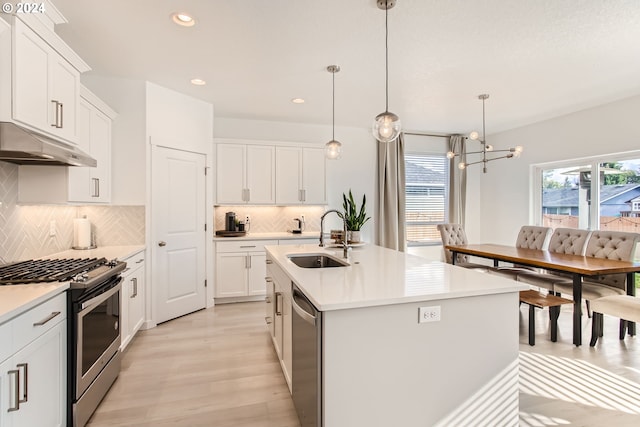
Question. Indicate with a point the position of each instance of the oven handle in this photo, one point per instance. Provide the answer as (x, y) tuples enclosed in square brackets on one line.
[(102, 297)]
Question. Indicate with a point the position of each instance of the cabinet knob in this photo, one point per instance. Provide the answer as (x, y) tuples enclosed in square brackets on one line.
[(162, 243)]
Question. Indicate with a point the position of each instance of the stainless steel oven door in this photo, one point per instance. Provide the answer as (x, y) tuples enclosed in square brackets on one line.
[(98, 335)]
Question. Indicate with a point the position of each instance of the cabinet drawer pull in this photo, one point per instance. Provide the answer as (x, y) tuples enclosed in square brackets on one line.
[(268, 279), (25, 392), (16, 390), (125, 270), (278, 310), (140, 260), (248, 246), (134, 281), (46, 319), (268, 261)]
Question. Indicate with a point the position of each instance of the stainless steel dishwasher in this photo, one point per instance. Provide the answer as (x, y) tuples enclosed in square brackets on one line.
[(306, 350)]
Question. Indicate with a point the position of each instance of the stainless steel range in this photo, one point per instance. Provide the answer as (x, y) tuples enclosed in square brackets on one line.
[(93, 331)]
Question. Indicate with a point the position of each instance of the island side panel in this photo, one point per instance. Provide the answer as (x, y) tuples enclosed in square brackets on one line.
[(381, 367)]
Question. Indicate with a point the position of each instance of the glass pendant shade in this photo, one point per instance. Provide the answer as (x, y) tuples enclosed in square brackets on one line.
[(386, 127), (333, 150)]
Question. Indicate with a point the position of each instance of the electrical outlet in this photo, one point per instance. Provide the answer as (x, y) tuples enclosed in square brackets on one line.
[(429, 314), (52, 228)]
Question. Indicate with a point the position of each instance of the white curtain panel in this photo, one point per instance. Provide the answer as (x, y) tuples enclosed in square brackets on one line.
[(391, 195), (457, 181)]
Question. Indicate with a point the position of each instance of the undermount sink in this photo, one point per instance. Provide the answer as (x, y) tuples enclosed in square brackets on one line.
[(316, 261)]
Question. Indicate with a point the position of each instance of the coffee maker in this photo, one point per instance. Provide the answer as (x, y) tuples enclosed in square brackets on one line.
[(230, 221)]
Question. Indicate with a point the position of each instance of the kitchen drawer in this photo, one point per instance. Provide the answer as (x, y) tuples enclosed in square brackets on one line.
[(244, 245), (24, 330), (135, 260)]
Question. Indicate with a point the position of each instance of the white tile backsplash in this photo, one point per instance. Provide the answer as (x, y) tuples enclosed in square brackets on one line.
[(268, 219), (25, 230)]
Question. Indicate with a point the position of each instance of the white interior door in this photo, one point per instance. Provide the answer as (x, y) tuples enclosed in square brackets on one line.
[(178, 212)]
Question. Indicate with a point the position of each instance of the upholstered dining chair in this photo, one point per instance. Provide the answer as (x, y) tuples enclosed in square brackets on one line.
[(529, 237), (454, 234), (605, 244), (624, 307), (564, 241)]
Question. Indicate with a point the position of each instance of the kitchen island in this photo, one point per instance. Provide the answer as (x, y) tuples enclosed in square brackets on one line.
[(404, 340)]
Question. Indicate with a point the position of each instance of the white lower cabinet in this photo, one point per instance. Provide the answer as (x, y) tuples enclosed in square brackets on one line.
[(279, 310), (240, 268), (33, 379), (132, 298)]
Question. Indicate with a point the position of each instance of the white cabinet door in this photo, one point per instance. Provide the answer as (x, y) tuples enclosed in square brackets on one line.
[(230, 173), (100, 135), (277, 339), (257, 273), (46, 87), (42, 382), (30, 78), (94, 136), (288, 175), (300, 176), (132, 299), (64, 93), (260, 178), (314, 182), (231, 275), (135, 292)]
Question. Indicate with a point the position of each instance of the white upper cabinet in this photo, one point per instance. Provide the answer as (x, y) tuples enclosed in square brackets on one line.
[(45, 85), (87, 184), (245, 174), (300, 176)]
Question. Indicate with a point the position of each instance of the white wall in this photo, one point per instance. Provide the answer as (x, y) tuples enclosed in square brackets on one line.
[(178, 121), (505, 202), (356, 170)]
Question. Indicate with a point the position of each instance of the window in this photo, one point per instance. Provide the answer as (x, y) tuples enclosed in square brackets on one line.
[(427, 196), (598, 193)]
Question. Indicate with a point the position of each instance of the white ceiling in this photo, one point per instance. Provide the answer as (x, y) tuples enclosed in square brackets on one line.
[(536, 58)]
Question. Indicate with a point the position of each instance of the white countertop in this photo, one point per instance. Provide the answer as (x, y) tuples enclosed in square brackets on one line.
[(279, 235), (16, 299), (379, 276)]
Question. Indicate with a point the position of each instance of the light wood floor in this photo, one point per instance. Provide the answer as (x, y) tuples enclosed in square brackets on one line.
[(217, 368)]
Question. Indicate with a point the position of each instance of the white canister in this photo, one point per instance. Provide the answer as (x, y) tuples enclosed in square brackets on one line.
[(82, 234)]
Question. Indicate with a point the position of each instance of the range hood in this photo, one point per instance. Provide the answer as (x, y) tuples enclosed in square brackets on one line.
[(26, 147)]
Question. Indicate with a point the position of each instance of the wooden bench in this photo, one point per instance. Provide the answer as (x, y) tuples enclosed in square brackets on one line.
[(536, 299)]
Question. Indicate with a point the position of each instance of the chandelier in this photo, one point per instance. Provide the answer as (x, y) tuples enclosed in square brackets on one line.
[(484, 147)]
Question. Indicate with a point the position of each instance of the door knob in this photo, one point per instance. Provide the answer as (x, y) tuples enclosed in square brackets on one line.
[(162, 243)]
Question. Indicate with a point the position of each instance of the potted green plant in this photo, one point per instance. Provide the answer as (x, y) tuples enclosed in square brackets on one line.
[(354, 216)]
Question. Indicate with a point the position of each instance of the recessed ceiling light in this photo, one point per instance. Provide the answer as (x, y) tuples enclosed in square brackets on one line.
[(297, 101), (183, 19), (198, 82)]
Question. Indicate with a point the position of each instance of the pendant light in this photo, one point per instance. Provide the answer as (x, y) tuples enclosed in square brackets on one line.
[(333, 148), (386, 126)]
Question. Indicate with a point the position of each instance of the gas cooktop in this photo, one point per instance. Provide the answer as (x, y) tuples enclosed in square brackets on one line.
[(47, 270)]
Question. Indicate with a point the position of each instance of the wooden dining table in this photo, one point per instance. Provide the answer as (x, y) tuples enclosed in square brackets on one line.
[(576, 265)]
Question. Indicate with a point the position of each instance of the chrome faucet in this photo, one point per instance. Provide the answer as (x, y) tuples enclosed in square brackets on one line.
[(345, 245)]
